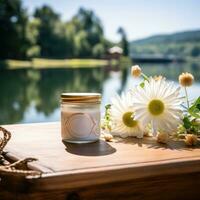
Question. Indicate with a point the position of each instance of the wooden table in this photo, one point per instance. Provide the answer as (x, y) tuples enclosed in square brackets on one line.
[(122, 169)]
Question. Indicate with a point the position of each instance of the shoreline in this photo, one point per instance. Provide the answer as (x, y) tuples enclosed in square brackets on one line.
[(40, 63)]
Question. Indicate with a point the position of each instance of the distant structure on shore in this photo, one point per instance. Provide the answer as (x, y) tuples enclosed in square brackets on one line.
[(113, 56), (155, 58), (115, 52)]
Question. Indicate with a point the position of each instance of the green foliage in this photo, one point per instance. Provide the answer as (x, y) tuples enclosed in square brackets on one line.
[(194, 110), (191, 123), (186, 122), (51, 37), (142, 84), (32, 33), (183, 44), (83, 48), (124, 42), (98, 50), (195, 51), (13, 20), (45, 35), (33, 51), (106, 122), (88, 34)]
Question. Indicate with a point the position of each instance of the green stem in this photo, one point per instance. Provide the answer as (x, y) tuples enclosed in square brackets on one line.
[(145, 77), (186, 94)]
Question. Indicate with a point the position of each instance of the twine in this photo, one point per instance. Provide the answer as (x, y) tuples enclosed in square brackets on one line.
[(19, 167), (5, 139)]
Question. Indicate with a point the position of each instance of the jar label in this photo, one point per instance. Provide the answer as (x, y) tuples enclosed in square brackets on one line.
[(80, 125)]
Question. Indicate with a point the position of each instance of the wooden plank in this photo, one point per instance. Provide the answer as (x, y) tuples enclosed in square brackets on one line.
[(155, 188), (73, 166)]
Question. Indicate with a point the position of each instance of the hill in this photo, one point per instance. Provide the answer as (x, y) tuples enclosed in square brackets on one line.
[(185, 43), (185, 36)]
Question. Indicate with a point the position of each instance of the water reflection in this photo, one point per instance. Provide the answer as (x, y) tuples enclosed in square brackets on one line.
[(33, 95), (14, 99), (172, 71), (53, 82), (23, 89)]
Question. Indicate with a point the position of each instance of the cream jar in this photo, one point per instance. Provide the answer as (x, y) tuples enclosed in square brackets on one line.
[(80, 117)]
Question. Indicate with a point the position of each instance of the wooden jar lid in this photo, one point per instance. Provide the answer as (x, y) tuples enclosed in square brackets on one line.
[(81, 97)]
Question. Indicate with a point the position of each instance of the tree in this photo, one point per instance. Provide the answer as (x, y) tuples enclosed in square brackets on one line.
[(98, 50), (13, 20), (195, 51), (82, 46), (51, 38), (32, 33), (72, 27), (89, 33), (124, 41), (45, 35)]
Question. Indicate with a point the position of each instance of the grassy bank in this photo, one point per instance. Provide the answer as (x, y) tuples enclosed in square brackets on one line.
[(38, 63)]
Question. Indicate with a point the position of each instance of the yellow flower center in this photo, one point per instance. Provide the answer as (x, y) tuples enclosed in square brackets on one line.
[(128, 119), (156, 107)]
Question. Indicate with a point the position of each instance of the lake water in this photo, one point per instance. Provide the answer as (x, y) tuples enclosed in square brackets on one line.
[(33, 95)]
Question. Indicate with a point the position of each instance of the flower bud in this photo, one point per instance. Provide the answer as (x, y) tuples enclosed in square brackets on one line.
[(108, 137), (159, 77), (191, 140), (186, 79), (136, 71), (162, 137), (147, 134)]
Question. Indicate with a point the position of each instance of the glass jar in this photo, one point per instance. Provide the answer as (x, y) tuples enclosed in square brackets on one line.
[(80, 117)]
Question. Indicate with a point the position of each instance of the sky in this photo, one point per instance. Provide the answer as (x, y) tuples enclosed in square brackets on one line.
[(140, 18)]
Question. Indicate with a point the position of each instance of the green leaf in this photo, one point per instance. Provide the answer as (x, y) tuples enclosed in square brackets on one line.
[(108, 106), (194, 110), (186, 122), (142, 85)]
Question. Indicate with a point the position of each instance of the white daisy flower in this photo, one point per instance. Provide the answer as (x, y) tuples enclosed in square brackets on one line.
[(122, 116), (158, 103)]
